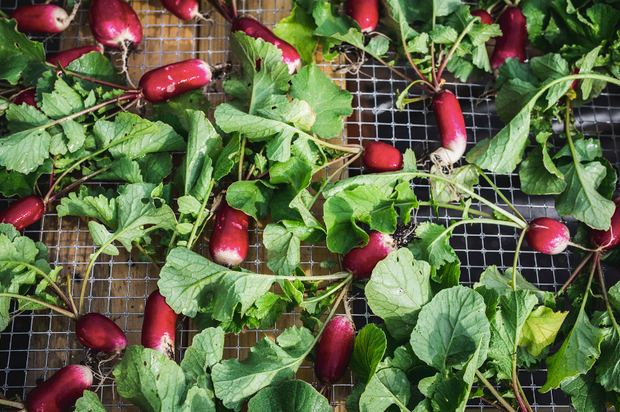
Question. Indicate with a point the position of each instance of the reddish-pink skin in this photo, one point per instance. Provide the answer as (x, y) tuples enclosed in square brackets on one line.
[(257, 30), (229, 242), (547, 235), (335, 350), (514, 37), (114, 22), (61, 391), (610, 238), (484, 15), (99, 333), (362, 260), (67, 56), (24, 212), (381, 157), (26, 97), (575, 82), (364, 12), (159, 325), (172, 80), (183, 9), (451, 125), (41, 18)]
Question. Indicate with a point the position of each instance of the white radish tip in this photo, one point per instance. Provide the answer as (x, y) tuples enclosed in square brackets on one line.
[(228, 257), (86, 374), (61, 18), (444, 157), (166, 346), (293, 66)]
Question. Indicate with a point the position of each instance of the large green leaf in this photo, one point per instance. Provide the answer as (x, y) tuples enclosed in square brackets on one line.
[(387, 387), (370, 345), (291, 396), (22, 59)]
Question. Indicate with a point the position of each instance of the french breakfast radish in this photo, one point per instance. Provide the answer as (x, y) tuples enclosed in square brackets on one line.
[(169, 81), (24, 212), (547, 235), (183, 9), (335, 350), (65, 57), (114, 23), (451, 128), (364, 12), (362, 260), (514, 37), (41, 18), (159, 325), (229, 242), (610, 238), (61, 391), (99, 333), (381, 157), (484, 15), (26, 97)]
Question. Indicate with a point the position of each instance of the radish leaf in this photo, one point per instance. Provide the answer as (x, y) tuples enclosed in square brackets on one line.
[(541, 328), (89, 402), (207, 349), (283, 254), (22, 58), (431, 245), (291, 396), (585, 393), (370, 345), (297, 30), (387, 387)]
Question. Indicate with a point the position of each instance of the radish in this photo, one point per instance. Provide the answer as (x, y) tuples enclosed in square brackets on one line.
[(484, 15), (183, 9), (514, 37), (608, 239), (362, 260), (229, 242), (547, 235), (451, 128), (364, 12), (381, 157), (99, 333), (26, 97), (61, 391), (65, 57), (24, 212), (159, 325), (114, 24), (575, 82), (174, 79), (335, 350), (41, 18)]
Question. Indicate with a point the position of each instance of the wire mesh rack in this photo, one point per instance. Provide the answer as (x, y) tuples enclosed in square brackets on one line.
[(36, 344)]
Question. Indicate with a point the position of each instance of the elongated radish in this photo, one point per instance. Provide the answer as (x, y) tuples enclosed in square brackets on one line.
[(183, 9), (159, 325), (451, 128), (514, 37), (575, 82), (61, 391), (381, 157), (65, 57), (229, 242), (362, 260), (364, 12), (547, 236), (484, 15), (26, 97), (610, 238), (174, 79), (24, 212), (114, 23), (41, 18), (99, 333), (335, 350)]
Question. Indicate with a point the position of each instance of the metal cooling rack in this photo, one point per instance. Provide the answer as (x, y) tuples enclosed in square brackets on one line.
[(36, 344)]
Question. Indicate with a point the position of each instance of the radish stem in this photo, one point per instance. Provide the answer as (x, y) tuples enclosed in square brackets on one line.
[(575, 273), (190, 242), (605, 297), (457, 207), (39, 302), (148, 255), (499, 193), (12, 404), (111, 85), (453, 49), (77, 183), (334, 290), (241, 154), (318, 193), (514, 263), (494, 391)]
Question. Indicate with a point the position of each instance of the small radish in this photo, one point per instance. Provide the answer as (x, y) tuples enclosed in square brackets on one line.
[(484, 15), (26, 97), (451, 128), (364, 12), (65, 57), (159, 325), (514, 37), (381, 157), (169, 81), (24, 212), (575, 82), (362, 260), (114, 23), (335, 350), (608, 239), (547, 235), (183, 9), (229, 242), (41, 18), (99, 333), (61, 391)]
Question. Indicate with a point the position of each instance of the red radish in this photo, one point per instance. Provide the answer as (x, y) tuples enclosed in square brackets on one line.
[(65, 57), (26, 97), (61, 391), (172, 80), (575, 82), (547, 235), (99, 333), (114, 23), (183, 9), (451, 128), (335, 350), (608, 239), (364, 12), (24, 212), (381, 157), (41, 18), (514, 37), (159, 325), (484, 15), (229, 242), (362, 260)]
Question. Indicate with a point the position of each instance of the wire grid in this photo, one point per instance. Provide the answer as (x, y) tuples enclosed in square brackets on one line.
[(36, 344)]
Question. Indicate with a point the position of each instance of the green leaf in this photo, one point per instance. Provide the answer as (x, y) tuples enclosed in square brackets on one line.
[(387, 387), (586, 395), (297, 30), (283, 253), (194, 101), (61, 102), (22, 59), (383, 181), (96, 66), (89, 402), (493, 279), (549, 66), (227, 157), (102, 207), (251, 197), (541, 328), (295, 172), (122, 169), (370, 345), (207, 350), (155, 167), (443, 192), (291, 396), (19, 184), (536, 178), (443, 34), (398, 289), (431, 244)]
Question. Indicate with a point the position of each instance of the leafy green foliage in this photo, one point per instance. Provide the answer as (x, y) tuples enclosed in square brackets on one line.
[(291, 396), (89, 402), (431, 244), (370, 345), (541, 328), (387, 387), (23, 59)]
